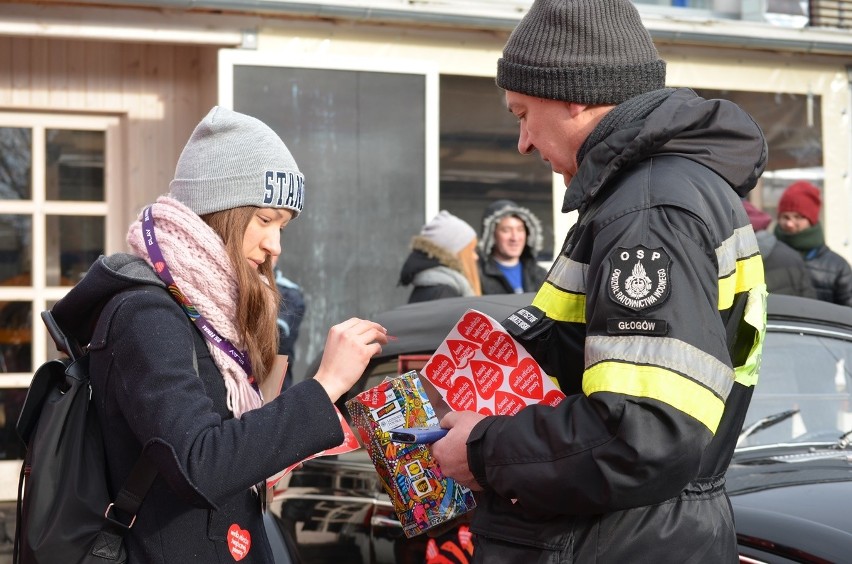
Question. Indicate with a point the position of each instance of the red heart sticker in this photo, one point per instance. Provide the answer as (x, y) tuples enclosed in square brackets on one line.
[(375, 396), (474, 326), (239, 542), (553, 398), (487, 376), (508, 404), (500, 348), (462, 396), (440, 371), (526, 380), (485, 411), (462, 351)]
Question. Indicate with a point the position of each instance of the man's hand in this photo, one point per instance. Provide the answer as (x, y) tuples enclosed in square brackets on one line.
[(451, 451)]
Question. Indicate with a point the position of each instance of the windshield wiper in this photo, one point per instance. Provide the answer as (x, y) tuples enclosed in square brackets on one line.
[(765, 422), (844, 440)]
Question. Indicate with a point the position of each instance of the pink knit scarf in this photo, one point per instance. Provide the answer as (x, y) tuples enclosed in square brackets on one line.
[(199, 263)]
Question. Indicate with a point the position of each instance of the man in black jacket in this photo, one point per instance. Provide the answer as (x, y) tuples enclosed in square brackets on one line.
[(799, 226), (651, 319), (784, 269), (511, 239)]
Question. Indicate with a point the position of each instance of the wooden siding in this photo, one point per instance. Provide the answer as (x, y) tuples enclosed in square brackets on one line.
[(159, 91)]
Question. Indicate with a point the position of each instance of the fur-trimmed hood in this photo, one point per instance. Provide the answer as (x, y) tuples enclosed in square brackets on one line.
[(426, 254), (500, 209)]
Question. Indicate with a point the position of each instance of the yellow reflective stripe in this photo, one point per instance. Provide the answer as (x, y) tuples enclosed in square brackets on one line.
[(747, 275), (666, 353), (561, 305), (568, 275), (755, 315), (656, 383)]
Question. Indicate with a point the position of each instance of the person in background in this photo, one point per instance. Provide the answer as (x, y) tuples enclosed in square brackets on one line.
[(784, 269), (291, 312), (442, 262), (798, 226), (177, 369), (510, 241), (652, 318)]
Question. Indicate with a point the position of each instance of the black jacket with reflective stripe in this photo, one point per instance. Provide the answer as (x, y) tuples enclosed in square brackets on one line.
[(657, 355)]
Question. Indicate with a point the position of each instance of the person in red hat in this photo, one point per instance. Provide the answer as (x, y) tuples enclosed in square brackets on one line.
[(798, 226), (785, 271)]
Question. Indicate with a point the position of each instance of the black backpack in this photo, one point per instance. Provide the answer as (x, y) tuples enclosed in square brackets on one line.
[(65, 513)]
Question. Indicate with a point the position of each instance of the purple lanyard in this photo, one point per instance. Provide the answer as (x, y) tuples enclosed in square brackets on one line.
[(194, 315)]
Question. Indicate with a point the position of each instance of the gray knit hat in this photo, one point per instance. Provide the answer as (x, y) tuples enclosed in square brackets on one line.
[(448, 232), (584, 51), (233, 160)]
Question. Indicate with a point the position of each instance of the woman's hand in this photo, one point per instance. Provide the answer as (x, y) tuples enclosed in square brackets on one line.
[(348, 348)]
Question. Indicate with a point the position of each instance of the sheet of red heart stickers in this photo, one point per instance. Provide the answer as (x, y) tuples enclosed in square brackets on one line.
[(480, 367)]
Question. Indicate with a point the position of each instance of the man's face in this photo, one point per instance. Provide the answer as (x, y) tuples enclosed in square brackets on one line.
[(792, 222), (510, 237), (549, 127)]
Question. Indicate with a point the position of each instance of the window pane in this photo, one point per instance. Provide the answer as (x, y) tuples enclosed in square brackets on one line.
[(792, 124), (808, 373), (73, 242), (15, 163), (480, 162), (11, 401), (75, 165), (15, 336), (15, 250)]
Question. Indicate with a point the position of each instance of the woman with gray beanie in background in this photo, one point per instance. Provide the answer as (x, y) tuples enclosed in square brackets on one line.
[(442, 262), (190, 339)]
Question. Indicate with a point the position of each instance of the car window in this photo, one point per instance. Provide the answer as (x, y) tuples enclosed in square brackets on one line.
[(807, 372)]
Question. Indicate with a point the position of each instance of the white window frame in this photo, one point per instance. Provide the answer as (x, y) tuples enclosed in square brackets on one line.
[(38, 208)]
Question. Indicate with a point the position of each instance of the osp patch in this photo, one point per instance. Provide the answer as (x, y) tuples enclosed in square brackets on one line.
[(639, 277)]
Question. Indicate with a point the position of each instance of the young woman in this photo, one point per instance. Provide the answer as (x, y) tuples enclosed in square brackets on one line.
[(178, 364)]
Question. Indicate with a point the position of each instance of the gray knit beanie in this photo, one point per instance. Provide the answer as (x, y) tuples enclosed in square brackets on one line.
[(233, 160), (448, 232), (584, 51)]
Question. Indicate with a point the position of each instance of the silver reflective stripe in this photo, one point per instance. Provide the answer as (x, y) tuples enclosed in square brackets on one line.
[(664, 352), (741, 244), (568, 275)]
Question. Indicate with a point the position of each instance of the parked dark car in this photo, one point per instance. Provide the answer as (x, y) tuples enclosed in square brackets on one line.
[(790, 481)]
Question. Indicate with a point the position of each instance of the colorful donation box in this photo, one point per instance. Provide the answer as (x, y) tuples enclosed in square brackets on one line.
[(421, 495), (478, 367)]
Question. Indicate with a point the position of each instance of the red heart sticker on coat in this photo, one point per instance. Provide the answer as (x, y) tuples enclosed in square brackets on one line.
[(239, 542), (487, 376), (440, 371), (475, 327), (375, 396), (462, 351), (508, 404), (553, 398), (500, 348), (462, 396), (526, 380)]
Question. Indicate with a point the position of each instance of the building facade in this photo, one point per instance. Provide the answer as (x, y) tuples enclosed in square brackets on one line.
[(388, 106)]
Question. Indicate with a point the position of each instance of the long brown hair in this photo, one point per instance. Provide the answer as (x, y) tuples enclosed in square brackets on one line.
[(257, 299)]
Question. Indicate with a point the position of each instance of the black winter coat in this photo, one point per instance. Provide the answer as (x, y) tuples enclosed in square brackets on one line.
[(151, 398), (493, 280), (831, 275), (633, 322), (784, 268)]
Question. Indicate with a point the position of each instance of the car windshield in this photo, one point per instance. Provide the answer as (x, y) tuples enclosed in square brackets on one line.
[(803, 393)]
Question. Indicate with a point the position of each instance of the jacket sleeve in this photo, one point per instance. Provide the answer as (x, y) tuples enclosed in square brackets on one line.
[(843, 283), (650, 401), (153, 391)]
